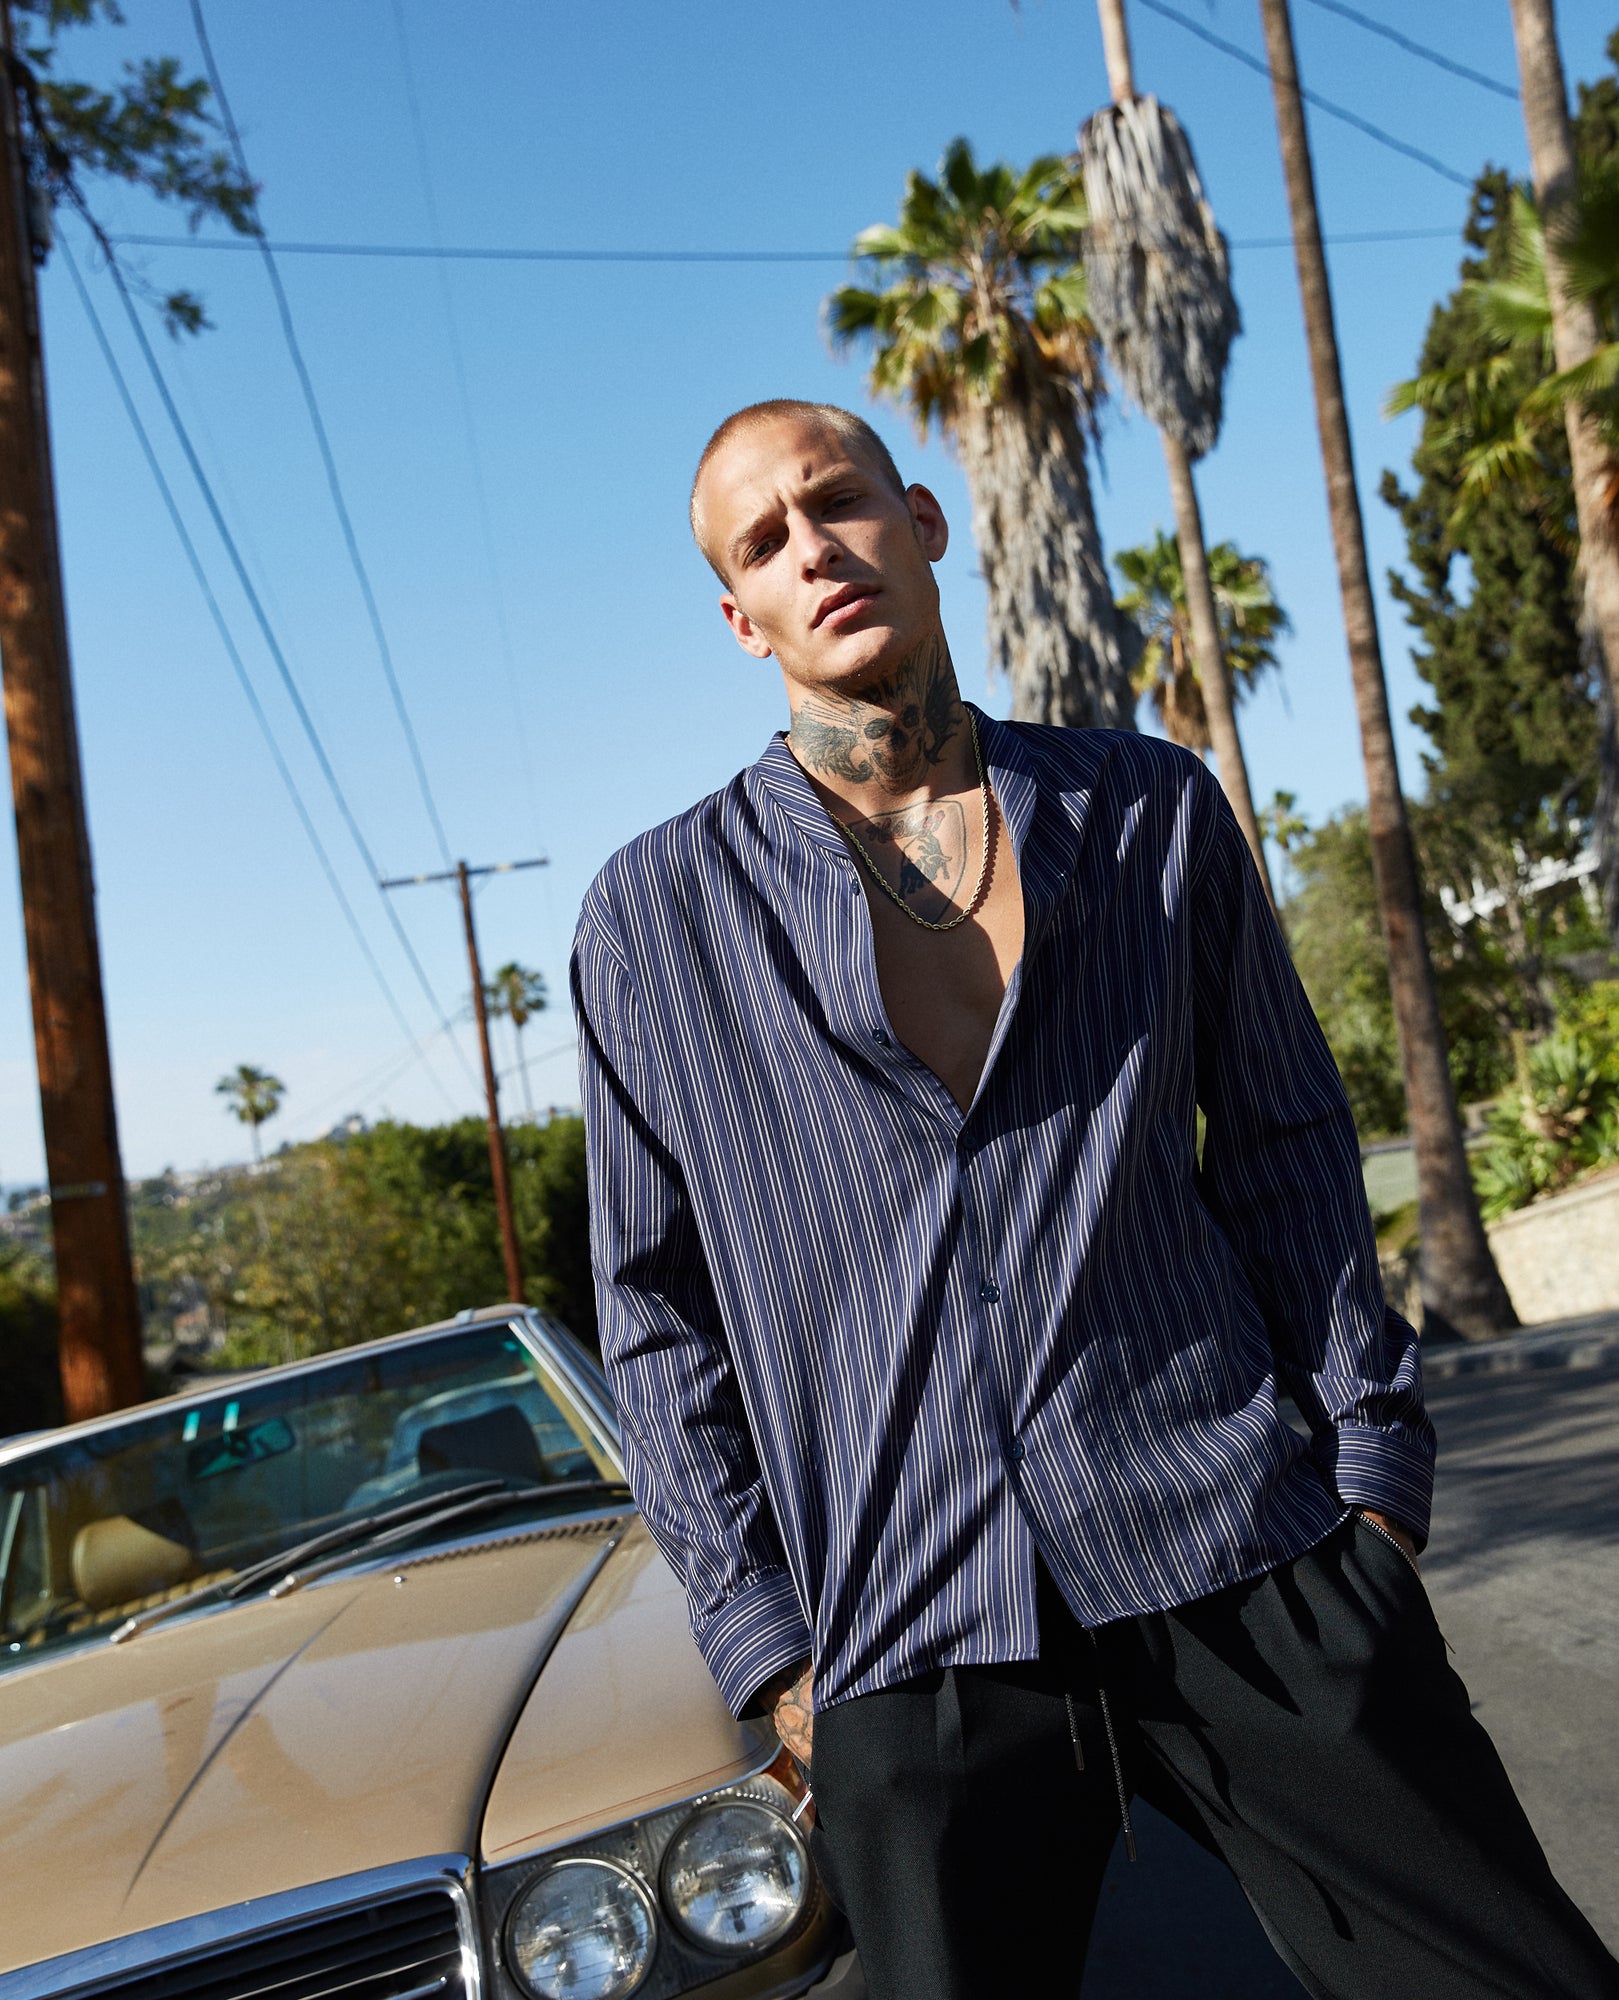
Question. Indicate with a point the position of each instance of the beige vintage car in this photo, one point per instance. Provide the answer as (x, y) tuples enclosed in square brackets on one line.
[(361, 1679)]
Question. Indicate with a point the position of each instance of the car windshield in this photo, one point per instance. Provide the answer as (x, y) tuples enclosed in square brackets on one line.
[(111, 1523)]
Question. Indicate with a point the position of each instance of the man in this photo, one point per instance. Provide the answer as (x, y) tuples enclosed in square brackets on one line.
[(949, 1361)]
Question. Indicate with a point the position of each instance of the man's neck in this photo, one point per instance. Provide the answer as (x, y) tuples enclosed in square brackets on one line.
[(900, 738)]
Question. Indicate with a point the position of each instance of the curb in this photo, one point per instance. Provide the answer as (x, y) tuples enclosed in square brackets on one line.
[(1589, 1341)]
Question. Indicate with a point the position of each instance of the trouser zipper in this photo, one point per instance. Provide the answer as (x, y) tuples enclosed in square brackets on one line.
[(1383, 1535), (1112, 1747)]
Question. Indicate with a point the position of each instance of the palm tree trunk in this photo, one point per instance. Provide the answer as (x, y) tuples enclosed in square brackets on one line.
[(1576, 334), (1462, 1292), (1213, 677), (1208, 653), (1054, 629)]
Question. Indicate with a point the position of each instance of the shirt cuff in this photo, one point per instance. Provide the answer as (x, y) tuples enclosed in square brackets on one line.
[(754, 1635), (1391, 1474)]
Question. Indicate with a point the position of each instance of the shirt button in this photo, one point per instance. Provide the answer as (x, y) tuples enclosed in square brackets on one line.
[(990, 1294), (880, 1037), (1014, 1451)]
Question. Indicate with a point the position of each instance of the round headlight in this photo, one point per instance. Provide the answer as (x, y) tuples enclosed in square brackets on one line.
[(735, 1876), (584, 1930)]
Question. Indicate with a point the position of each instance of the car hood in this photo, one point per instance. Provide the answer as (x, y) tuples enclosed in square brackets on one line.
[(257, 1748)]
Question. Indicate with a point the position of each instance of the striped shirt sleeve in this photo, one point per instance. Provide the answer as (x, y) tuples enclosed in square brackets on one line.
[(1281, 1174), (687, 1446)]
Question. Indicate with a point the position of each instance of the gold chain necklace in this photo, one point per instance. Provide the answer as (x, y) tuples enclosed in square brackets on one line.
[(971, 904)]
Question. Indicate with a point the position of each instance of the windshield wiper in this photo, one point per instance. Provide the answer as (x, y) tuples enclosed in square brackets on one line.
[(389, 1524), (463, 1509)]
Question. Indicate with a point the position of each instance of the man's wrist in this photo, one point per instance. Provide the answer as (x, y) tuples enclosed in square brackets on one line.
[(769, 1692)]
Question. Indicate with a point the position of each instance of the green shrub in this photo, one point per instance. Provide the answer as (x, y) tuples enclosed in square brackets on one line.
[(1560, 1121), (30, 1384)]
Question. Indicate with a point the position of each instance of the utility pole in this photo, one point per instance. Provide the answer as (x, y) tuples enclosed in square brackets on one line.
[(1462, 1292), (1576, 335), (499, 1168), (95, 1284)]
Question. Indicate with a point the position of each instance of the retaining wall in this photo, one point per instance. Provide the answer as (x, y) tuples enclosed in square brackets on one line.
[(1561, 1257)]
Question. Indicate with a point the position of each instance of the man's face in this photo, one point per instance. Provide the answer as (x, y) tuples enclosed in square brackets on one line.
[(831, 570)]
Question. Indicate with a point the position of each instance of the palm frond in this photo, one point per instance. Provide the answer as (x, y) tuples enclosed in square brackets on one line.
[(978, 280), (1160, 278)]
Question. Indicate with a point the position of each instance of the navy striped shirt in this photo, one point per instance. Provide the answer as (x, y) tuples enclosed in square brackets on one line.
[(871, 1353)]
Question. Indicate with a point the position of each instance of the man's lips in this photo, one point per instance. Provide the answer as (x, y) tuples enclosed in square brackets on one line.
[(832, 610)]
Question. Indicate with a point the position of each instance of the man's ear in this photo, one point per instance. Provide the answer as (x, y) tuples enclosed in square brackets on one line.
[(927, 517), (743, 630)]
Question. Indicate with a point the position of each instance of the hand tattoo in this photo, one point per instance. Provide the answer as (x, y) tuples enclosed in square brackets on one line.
[(794, 1715), (894, 731)]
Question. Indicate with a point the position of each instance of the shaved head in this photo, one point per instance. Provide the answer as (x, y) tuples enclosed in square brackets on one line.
[(852, 431)]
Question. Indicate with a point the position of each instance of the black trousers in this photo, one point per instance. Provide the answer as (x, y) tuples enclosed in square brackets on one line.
[(1305, 1726)]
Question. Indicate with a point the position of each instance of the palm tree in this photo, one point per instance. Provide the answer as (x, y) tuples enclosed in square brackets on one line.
[(519, 995), (1160, 295), (255, 1097), (1462, 1290), (976, 319), (1250, 623)]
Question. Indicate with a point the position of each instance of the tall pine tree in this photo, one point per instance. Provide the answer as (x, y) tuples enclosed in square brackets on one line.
[(1512, 764)]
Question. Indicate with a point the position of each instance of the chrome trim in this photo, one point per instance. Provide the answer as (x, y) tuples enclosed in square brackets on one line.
[(771, 1750), (241, 1923), (566, 1355)]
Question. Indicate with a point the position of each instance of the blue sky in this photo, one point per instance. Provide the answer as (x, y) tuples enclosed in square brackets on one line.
[(617, 697)]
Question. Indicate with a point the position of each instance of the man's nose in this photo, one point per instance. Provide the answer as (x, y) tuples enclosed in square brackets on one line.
[(817, 551)]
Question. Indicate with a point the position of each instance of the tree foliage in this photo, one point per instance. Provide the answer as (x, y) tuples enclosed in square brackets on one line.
[(1335, 930), (254, 1097), (347, 1239), (151, 129), (974, 313), (1512, 723), (30, 1383), (1251, 621)]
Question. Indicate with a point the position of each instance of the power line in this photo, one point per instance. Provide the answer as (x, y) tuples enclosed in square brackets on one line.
[(417, 1047), (493, 254), (1311, 97), (1417, 48), (351, 542), (370, 1083), (469, 427), (506, 254), (272, 644)]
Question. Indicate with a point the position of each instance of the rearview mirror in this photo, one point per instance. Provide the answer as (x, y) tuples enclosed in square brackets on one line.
[(233, 1450)]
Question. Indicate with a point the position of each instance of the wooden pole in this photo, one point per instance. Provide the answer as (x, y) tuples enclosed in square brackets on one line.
[(1462, 1292), (497, 1136), (95, 1284), (1576, 335)]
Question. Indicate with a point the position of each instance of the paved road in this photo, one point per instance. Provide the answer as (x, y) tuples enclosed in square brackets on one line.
[(1524, 1573)]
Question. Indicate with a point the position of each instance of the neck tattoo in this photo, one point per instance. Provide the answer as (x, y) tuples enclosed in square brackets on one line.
[(893, 733), (927, 861)]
